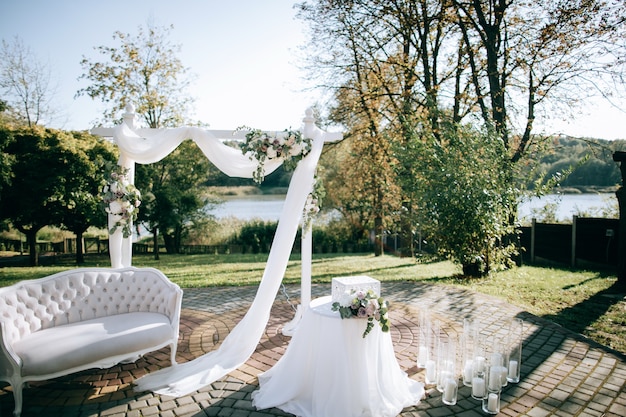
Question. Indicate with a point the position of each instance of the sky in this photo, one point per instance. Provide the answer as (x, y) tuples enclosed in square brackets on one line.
[(242, 53)]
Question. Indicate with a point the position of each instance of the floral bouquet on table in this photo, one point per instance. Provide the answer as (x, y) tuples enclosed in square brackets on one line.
[(364, 304), (288, 145), (121, 199)]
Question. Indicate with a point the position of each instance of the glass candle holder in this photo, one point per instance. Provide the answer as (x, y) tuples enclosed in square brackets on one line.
[(491, 402), (468, 343), (432, 370), (491, 399), (516, 333), (446, 361), (479, 386), (424, 339), (499, 362), (450, 391), (479, 378)]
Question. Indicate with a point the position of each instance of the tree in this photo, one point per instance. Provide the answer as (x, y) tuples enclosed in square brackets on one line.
[(171, 203), (365, 188), (47, 173), (143, 70), (465, 196), (530, 58), (428, 64), (372, 54), (25, 83), (85, 177)]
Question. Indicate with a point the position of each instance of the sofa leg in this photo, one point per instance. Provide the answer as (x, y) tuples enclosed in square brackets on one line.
[(173, 353), (17, 397)]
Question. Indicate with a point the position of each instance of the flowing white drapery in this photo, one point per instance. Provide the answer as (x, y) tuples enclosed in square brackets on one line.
[(239, 345)]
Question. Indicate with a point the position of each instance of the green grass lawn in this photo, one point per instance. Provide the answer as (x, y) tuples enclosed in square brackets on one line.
[(586, 302)]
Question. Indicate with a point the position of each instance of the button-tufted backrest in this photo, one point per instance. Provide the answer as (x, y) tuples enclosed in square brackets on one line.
[(84, 294)]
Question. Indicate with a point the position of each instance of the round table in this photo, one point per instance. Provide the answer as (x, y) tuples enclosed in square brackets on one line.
[(329, 369)]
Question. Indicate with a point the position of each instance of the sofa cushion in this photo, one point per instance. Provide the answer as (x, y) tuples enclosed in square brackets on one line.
[(73, 345)]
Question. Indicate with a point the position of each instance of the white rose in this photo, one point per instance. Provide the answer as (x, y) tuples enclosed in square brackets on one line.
[(115, 207), (271, 152), (346, 299), (295, 150)]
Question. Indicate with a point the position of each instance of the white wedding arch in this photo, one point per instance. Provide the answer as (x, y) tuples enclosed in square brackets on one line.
[(145, 146)]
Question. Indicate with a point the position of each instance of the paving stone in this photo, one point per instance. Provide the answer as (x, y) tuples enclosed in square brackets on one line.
[(563, 374)]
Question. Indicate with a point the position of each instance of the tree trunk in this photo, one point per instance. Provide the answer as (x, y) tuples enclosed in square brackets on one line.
[(475, 269), (155, 242), (31, 238), (80, 258), (169, 242), (378, 236)]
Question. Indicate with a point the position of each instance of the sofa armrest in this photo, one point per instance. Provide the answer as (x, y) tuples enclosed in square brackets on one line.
[(9, 360), (175, 305)]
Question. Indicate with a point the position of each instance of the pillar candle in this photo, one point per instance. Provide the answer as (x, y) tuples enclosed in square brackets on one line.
[(503, 373), (449, 390), (478, 387), (423, 355), (494, 378), (492, 402), (512, 369), (431, 373)]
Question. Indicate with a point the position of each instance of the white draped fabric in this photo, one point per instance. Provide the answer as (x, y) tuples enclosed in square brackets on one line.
[(148, 150), (329, 369), (237, 347)]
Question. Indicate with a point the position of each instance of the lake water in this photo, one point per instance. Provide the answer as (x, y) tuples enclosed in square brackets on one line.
[(263, 207), (569, 205), (269, 207)]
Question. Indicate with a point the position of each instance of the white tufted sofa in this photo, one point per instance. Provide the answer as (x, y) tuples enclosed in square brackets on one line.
[(84, 318)]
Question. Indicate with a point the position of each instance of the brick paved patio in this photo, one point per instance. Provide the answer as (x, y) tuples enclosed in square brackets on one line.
[(563, 374)]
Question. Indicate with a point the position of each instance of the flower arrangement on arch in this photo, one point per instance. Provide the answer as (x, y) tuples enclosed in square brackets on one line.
[(122, 199), (288, 145), (364, 304), (313, 203)]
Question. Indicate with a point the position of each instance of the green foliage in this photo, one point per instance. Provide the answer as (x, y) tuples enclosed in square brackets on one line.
[(462, 185), (170, 188), (573, 162), (256, 235), (55, 180)]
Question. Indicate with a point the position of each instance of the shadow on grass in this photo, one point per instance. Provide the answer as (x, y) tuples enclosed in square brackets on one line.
[(580, 317)]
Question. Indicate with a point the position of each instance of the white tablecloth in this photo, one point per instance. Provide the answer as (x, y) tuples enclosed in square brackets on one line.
[(330, 370)]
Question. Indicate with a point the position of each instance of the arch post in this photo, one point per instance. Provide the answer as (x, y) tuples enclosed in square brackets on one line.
[(620, 157), (120, 247)]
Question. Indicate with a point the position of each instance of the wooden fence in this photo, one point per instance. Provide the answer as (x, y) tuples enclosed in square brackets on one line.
[(587, 241)]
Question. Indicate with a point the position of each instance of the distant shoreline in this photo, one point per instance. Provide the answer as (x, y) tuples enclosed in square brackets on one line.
[(584, 189), (250, 190), (245, 190)]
